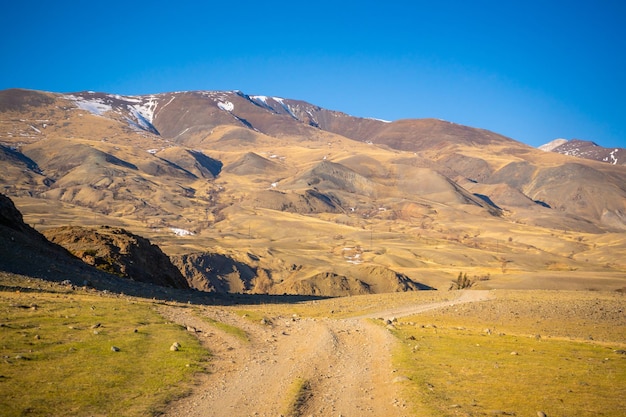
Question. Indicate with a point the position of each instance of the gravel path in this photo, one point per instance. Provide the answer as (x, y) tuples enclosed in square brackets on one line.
[(347, 363)]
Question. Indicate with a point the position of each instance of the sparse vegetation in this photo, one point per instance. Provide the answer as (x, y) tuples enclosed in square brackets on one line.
[(227, 328), (332, 223), (478, 373), (298, 394), (462, 282), (475, 359), (83, 354)]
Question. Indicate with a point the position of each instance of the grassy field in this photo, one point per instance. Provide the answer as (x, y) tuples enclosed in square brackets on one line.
[(488, 360), (83, 354), (87, 353), (523, 352)]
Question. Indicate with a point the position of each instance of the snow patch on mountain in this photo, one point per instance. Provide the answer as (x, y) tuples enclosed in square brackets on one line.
[(95, 106), (286, 107), (261, 99), (263, 102), (181, 232), (140, 121), (612, 158), (379, 120), (138, 111), (226, 106), (146, 109), (588, 150), (552, 145)]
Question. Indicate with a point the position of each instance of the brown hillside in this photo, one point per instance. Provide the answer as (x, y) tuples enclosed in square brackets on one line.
[(290, 183), (119, 252)]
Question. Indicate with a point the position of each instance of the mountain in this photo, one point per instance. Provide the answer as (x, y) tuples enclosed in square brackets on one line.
[(289, 197), (588, 150)]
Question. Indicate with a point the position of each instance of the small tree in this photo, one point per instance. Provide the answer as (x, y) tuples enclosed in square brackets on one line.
[(461, 282)]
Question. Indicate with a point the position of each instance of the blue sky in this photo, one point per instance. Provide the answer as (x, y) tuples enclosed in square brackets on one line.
[(531, 70)]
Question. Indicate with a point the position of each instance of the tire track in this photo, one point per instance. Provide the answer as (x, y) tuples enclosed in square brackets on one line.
[(347, 363)]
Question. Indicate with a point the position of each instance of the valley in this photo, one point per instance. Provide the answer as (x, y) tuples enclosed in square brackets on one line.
[(276, 258)]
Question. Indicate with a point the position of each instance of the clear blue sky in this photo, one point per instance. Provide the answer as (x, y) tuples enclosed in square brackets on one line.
[(531, 70)]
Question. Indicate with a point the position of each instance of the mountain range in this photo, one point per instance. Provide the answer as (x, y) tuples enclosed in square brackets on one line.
[(264, 194)]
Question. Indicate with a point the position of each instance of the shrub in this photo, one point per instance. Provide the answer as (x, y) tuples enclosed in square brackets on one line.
[(461, 282)]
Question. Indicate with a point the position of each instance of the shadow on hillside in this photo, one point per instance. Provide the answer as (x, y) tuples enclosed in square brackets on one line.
[(101, 283)]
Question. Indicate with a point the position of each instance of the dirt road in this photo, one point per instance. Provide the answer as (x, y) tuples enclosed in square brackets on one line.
[(346, 364)]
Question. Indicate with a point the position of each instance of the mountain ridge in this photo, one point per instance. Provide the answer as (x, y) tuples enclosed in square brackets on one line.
[(588, 150), (291, 183)]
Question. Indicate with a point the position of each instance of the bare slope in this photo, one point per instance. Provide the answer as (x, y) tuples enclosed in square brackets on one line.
[(298, 191)]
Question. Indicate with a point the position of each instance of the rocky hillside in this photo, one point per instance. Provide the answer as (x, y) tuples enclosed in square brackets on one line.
[(273, 183), (119, 252), (24, 250)]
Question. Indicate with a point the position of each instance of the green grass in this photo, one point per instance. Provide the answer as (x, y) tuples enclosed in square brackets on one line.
[(455, 371), (53, 362), (256, 316), (228, 328), (297, 395)]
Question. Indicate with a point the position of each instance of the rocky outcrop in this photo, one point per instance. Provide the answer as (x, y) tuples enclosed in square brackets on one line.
[(214, 272), (120, 252)]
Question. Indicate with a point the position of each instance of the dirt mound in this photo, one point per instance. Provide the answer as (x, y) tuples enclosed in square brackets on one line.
[(579, 190), (382, 280), (433, 186), (475, 169), (516, 174), (10, 155), (117, 251), (214, 272), (504, 196), (353, 281), (68, 162), (366, 166), (219, 273)]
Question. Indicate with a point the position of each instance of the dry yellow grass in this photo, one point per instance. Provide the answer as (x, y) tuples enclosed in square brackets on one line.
[(410, 220), (523, 352)]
